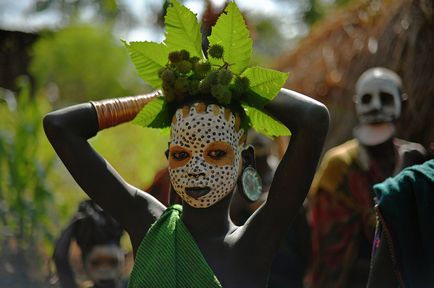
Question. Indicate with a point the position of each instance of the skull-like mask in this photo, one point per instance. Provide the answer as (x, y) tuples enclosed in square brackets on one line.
[(378, 104), (378, 96)]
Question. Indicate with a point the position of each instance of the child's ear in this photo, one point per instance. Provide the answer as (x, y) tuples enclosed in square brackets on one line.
[(248, 156)]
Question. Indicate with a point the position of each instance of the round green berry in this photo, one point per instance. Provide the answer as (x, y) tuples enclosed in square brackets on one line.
[(224, 76), (193, 60), (183, 66), (175, 56), (212, 77), (226, 96), (185, 55), (221, 93), (181, 85), (215, 51), (193, 88), (168, 76), (202, 67), (204, 87), (217, 90)]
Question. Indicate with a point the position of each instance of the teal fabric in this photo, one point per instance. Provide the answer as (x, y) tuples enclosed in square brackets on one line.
[(406, 205), (169, 257)]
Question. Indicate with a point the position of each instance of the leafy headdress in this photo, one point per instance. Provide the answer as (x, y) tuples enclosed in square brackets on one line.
[(179, 68)]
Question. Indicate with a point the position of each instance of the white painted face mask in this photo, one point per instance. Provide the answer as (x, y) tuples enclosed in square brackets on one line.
[(204, 153), (378, 96), (378, 104)]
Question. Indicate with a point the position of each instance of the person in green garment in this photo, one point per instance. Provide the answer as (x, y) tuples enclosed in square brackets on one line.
[(403, 251), (208, 103)]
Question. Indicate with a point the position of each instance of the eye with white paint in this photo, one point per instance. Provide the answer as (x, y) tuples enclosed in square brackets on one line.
[(180, 155), (219, 153)]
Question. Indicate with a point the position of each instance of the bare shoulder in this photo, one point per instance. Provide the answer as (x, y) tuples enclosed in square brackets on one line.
[(147, 210), (146, 202), (407, 146)]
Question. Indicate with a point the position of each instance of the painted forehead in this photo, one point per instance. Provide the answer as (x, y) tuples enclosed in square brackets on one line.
[(202, 124), (377, 85)]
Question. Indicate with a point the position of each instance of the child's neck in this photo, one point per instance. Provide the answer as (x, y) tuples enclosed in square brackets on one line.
[(211, 222)]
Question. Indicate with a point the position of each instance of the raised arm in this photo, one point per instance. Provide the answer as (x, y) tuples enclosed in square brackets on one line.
[(68, 130), (308, 121)]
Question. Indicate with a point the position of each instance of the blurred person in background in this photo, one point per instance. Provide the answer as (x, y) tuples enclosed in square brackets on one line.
[(342, 199), (98, 236), (403, 252)]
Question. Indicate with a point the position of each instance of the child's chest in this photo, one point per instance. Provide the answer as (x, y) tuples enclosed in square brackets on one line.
[(234, 266)]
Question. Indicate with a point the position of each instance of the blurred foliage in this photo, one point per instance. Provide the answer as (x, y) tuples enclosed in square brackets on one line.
[(108, 8), (314, 13), (23, 189), (135, 152), (26, 215), (84, 63), (109, 12), (38, 195), (268, 39)]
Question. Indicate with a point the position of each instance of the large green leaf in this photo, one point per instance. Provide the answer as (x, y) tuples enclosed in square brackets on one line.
[(264, 123), (182, 30), (231, 32), (148, 57), (154, 115), (265, 82)]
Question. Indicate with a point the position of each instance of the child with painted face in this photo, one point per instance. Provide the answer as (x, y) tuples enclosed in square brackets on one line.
[(197, 244), (206, 156)]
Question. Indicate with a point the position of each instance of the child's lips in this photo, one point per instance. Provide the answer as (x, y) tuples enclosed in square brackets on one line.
[(197, 192)]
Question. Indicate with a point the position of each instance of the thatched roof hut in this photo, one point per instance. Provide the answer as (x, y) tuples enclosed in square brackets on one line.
[(397, 34), (15, 56)]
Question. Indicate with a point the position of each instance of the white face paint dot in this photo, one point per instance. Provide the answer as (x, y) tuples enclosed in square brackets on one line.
[(204, 154)]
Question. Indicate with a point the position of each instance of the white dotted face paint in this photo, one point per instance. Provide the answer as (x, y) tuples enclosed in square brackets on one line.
[(204, 153)]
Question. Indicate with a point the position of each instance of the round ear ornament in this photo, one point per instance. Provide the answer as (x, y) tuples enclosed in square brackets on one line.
[(250, 184)]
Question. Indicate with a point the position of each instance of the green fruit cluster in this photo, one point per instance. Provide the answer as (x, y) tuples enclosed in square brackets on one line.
[(186, 76), (215, 51)]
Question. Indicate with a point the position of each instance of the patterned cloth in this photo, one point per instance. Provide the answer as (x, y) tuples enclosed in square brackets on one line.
[(342, 215), (405, 209), (169, 257)]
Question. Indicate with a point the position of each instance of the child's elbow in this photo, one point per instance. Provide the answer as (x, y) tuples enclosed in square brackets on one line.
[(319, 118), (52, 124)]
